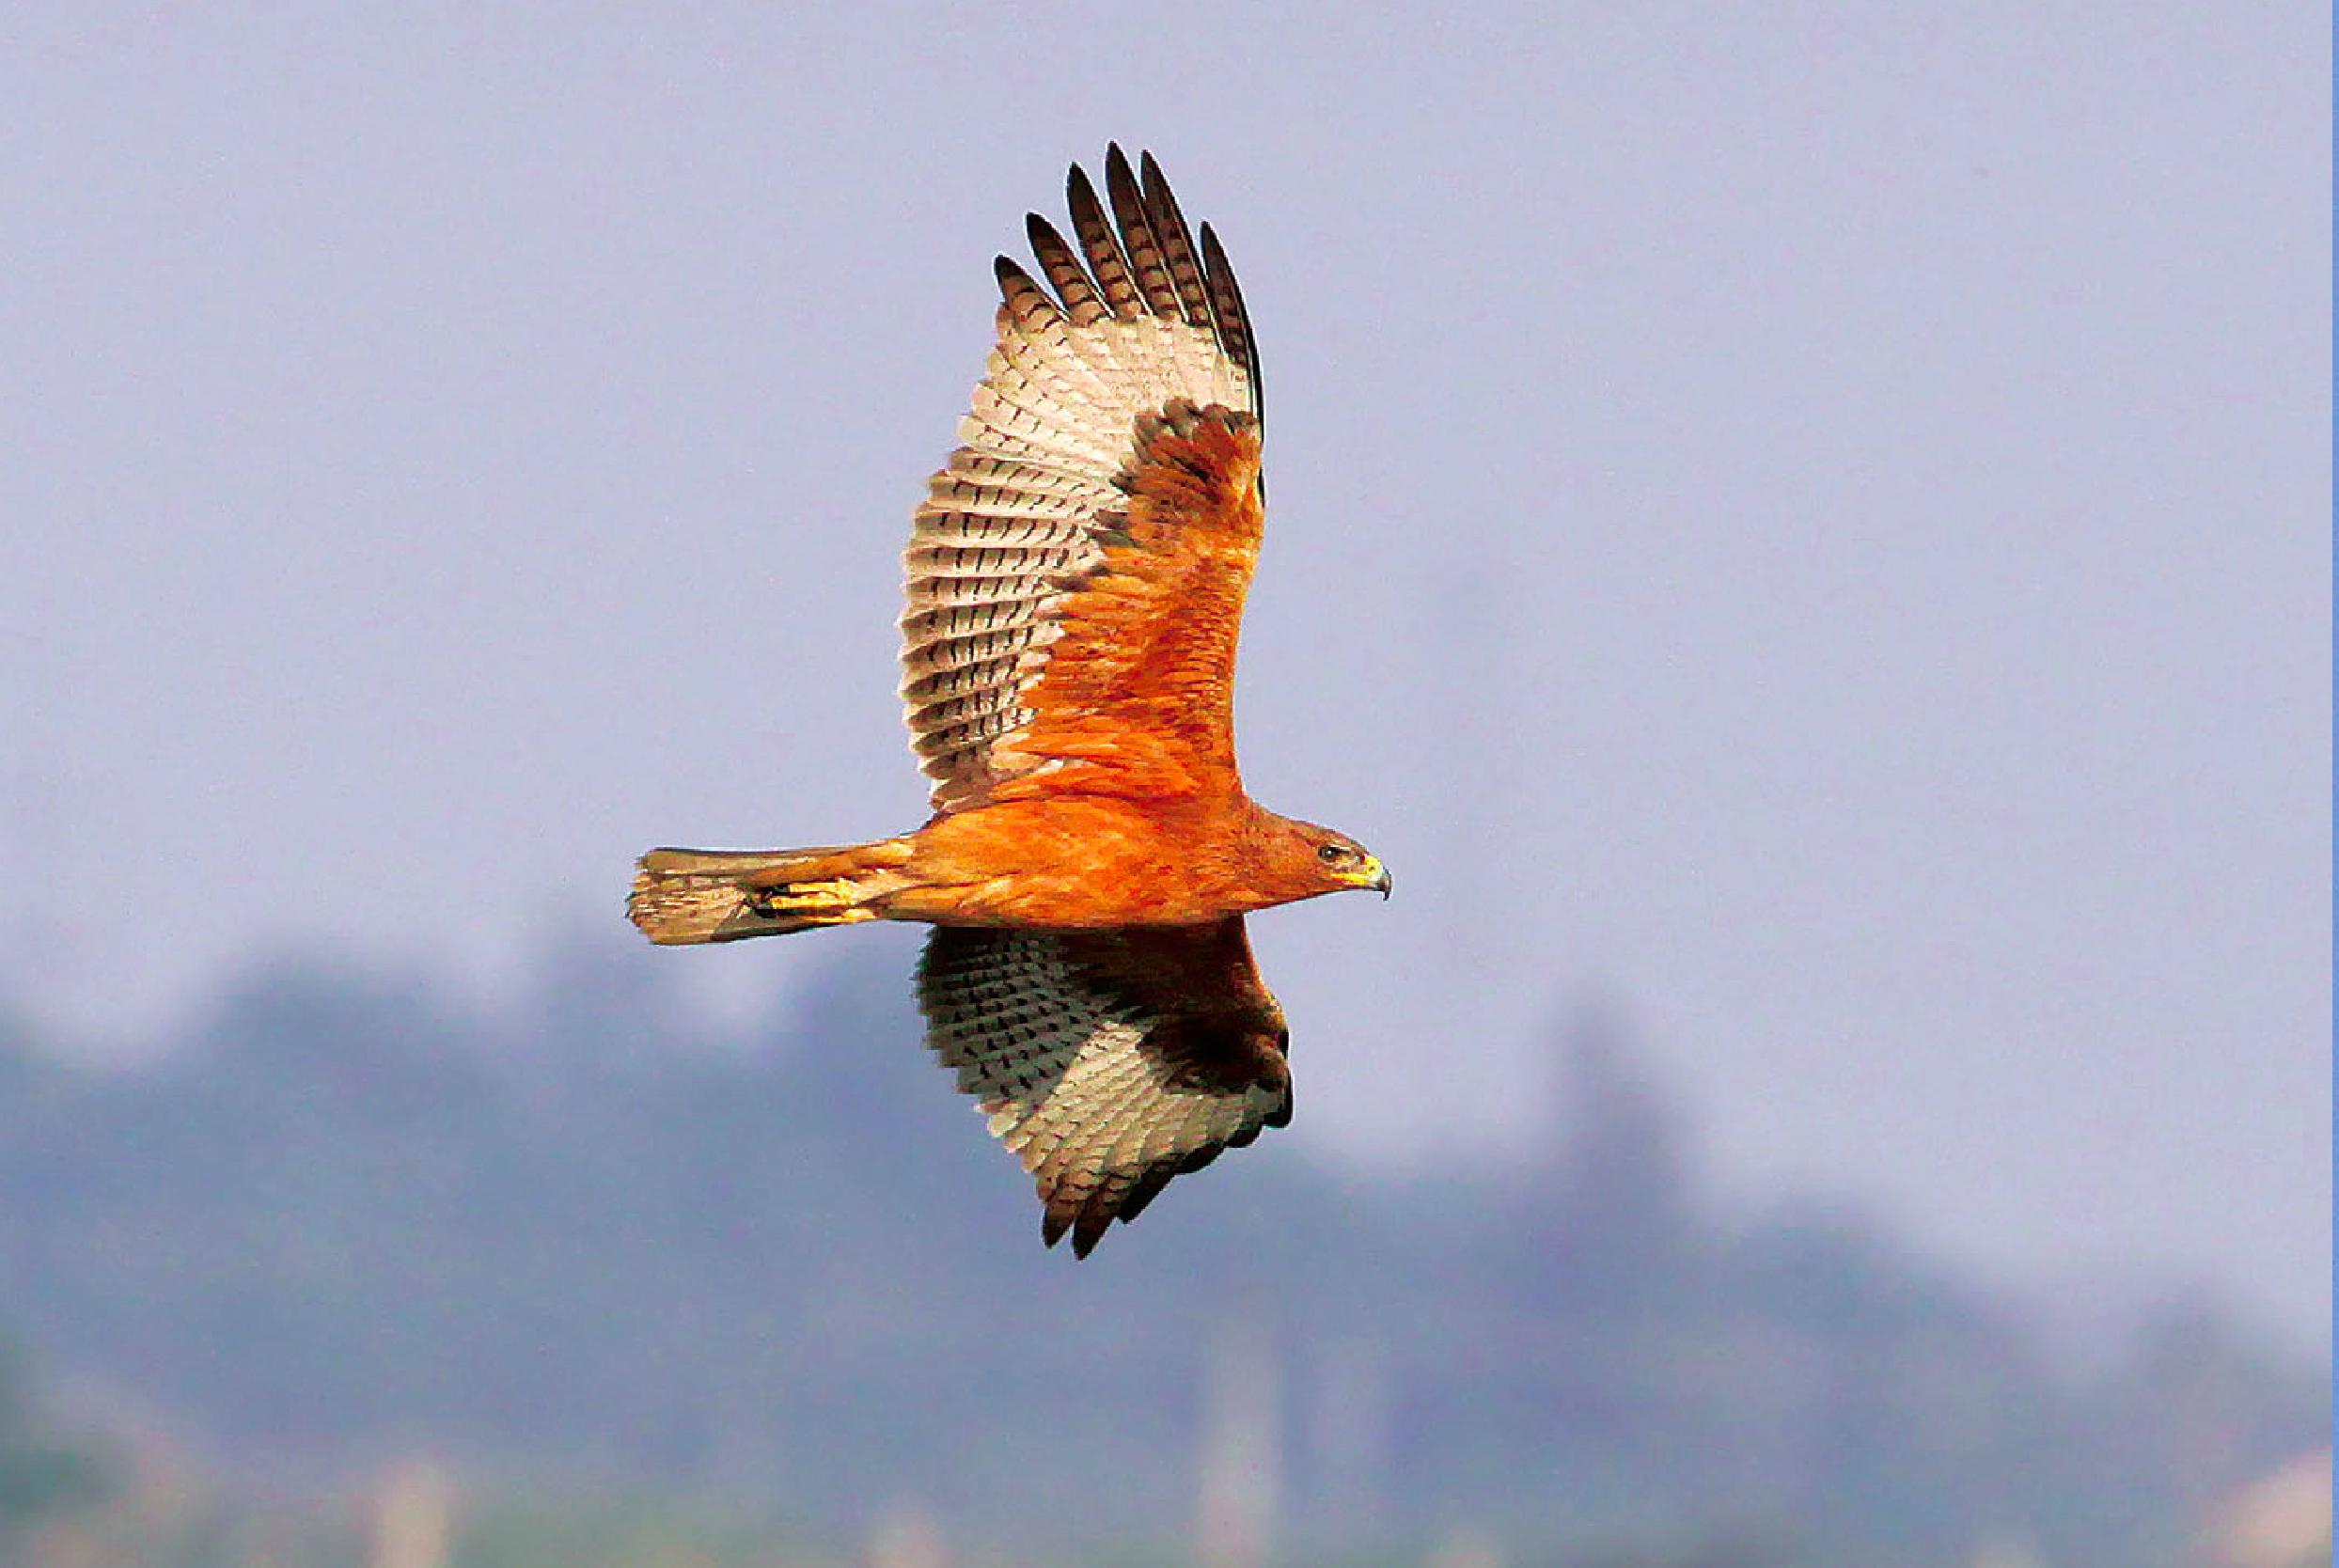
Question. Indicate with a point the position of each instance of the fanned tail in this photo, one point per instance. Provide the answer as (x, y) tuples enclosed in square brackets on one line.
[(685, 896)]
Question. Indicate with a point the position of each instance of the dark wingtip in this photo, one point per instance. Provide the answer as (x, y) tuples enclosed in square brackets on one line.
[(1090, 1230), (1148, 1188)]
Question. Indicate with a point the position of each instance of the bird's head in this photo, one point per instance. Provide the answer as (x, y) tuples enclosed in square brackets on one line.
[(1336, 862)]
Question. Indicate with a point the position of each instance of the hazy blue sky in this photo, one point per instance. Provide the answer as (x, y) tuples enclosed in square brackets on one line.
[(1812, 520)]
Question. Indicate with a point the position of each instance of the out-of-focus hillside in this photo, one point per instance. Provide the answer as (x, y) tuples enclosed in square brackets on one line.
[(342, 1222)]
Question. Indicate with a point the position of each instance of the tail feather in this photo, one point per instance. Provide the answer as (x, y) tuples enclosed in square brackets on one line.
[(685, 896)]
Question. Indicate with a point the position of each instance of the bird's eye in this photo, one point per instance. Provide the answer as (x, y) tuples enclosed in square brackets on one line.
[(1331, 854)]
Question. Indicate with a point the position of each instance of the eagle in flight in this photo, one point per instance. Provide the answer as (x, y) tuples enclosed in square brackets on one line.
[(1075, 583)]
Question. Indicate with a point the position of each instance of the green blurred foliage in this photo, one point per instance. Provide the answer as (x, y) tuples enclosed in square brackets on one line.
[(45, 1472), (789, 1271)]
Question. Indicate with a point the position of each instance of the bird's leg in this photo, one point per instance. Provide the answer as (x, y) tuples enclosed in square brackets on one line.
[(832, 901)]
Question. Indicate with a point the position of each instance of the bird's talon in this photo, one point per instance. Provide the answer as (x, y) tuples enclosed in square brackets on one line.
[(798, 898)]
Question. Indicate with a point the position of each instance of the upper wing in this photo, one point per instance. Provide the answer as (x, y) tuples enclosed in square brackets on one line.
[(1107, 1061), (1076, 573)]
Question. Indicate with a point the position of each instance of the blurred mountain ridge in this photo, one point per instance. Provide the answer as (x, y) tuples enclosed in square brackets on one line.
[(340, 1219)]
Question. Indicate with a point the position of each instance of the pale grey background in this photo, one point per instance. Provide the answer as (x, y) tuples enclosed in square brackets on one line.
[(1813, 521)]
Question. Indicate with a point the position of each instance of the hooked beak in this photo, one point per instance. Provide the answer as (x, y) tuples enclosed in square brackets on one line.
[(1380, 875)]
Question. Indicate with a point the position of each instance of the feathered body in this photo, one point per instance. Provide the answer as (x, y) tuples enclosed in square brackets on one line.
[(1076, 585)]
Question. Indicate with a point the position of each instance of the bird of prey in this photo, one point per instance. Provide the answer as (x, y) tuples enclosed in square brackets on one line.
[(1076, 585)]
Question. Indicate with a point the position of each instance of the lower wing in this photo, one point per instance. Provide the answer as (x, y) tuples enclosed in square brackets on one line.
[(1108, 1062)]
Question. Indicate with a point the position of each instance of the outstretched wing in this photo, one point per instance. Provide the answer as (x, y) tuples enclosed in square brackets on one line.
[(1076, 573), (1107, 1061)]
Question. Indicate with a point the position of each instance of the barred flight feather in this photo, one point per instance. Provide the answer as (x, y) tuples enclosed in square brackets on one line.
[(1099, 1061), (1133, 319)]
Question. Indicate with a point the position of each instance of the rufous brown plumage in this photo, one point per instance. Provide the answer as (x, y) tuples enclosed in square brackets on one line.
[(1076, 585)]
